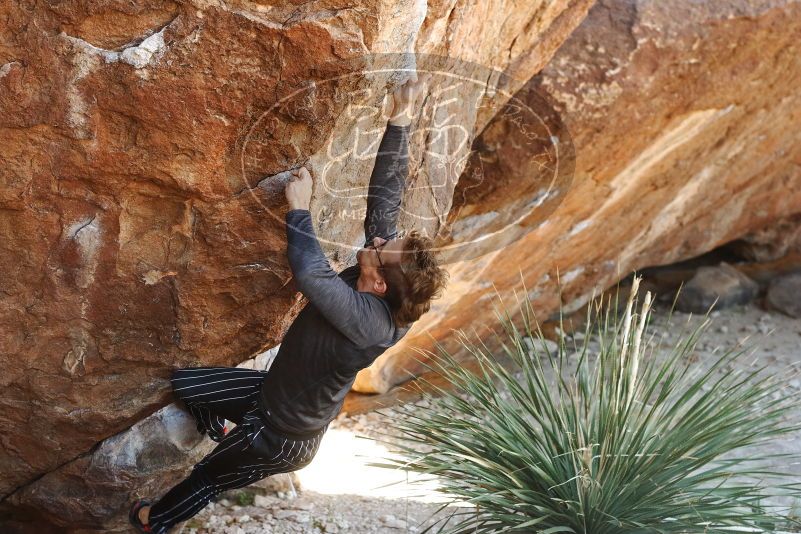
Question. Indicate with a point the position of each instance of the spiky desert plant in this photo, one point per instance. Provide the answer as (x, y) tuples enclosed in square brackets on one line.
[(610, 439)]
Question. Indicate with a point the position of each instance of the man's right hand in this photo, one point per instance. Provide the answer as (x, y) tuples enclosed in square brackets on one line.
[(298, 189)]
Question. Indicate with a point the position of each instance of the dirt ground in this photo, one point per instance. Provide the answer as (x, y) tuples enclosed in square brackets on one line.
[(339, 492)]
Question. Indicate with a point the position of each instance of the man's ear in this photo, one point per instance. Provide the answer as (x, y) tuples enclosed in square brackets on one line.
[(379, 286)]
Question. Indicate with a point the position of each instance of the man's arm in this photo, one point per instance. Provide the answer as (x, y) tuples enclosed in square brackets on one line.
[(387, 183), (361, 317), (391, 169)]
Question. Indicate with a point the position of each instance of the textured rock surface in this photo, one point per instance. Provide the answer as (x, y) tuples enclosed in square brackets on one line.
[(130, 239), (684, 117)]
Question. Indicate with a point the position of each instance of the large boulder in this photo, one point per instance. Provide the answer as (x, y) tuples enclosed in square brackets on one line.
[(132, 237), (684, 117)]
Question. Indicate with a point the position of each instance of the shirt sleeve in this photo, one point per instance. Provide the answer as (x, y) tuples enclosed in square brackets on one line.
[(387, 183), (362, 317)]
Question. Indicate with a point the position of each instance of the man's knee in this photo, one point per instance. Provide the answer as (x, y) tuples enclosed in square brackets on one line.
[(183, 375), (181, 380), (177, 374)]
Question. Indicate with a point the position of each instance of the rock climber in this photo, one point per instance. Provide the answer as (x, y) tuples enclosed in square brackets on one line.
[(350, 319)]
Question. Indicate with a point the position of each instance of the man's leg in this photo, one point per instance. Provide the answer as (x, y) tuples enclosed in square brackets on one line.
[(213, 394), (249, 453), (218, 472)]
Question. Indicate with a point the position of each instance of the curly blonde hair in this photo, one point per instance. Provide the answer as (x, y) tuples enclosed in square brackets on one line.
[(416, 281)]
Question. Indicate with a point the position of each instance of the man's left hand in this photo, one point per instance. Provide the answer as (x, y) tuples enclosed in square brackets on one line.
[(403, 100)]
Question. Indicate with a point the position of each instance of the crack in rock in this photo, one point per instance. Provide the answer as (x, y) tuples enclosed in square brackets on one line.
[(138, 56)]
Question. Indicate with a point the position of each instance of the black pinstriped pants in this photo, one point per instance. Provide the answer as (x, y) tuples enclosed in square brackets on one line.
[(250, 452)]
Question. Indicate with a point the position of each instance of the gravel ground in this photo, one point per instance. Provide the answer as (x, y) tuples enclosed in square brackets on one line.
[(311, 512), (341, 493)]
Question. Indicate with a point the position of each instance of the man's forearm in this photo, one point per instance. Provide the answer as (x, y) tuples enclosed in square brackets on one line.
[(361, 317), (303, 248), (387, 183)]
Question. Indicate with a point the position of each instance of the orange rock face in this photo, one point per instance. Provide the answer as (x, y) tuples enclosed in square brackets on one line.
[(132, 238), (685, 122)]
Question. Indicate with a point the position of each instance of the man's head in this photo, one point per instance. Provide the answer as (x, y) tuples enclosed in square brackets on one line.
[(404, 272)]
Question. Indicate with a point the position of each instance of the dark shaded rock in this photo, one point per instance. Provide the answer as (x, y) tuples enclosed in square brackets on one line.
[(722, 286), (784, 294), (772, 242)]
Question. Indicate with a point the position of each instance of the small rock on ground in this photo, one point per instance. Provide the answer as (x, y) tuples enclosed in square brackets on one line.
[(784, 294), (723, 286)]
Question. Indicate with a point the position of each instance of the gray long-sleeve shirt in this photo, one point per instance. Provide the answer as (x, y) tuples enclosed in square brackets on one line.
[(340, 330)]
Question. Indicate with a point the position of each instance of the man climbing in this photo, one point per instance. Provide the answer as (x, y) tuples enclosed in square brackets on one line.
[(350, 319)]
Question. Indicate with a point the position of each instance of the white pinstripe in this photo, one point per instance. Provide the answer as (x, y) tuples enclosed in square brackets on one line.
[(255, 436), (236, 473), (213, 372), (256, 466), (217, 392), (257, 379), (228, 399), (263, 467), (212, 421)]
